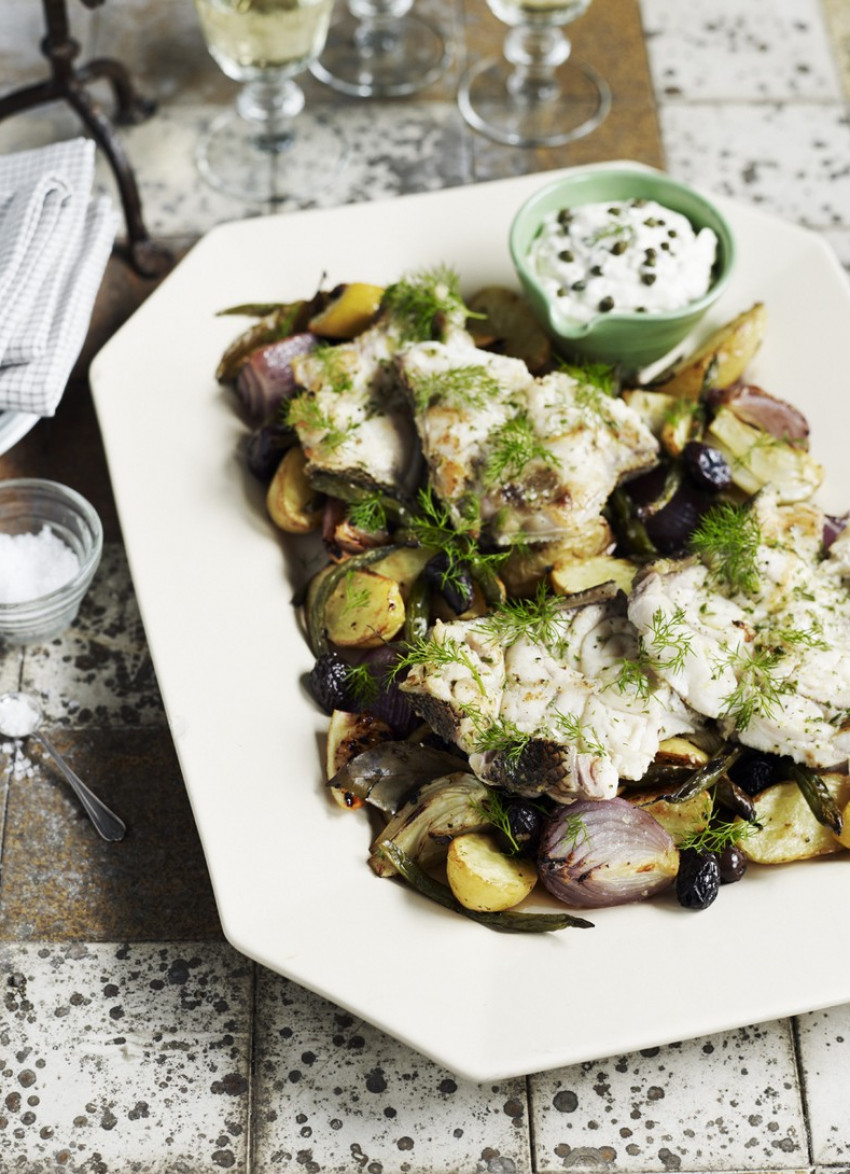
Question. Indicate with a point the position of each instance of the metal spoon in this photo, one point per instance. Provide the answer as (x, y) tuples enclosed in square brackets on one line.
[(20, 717)]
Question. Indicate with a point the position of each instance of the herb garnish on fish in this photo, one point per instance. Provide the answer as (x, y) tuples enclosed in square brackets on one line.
[(727, 539)]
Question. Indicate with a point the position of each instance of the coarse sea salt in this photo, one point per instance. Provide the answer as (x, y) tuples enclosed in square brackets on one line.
[(18, 716), (32, 565)]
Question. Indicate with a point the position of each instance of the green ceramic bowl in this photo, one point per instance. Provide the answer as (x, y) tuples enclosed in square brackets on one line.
[(628, 338)]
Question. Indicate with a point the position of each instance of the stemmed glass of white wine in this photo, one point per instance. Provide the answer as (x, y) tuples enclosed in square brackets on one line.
[(257, 151), (381, 49), (537, 94)]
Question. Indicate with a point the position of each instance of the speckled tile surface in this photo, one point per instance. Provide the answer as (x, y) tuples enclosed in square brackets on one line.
[(727, 1102), (790, 159), (99, 672), (824, 1038), (60, 880), (124, 1059), (133, 1040), (332, 1094), (728, 51)]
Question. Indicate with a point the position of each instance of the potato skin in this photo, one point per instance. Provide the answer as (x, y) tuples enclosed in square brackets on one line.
[(789, 830), (292, 503), (483, 878)]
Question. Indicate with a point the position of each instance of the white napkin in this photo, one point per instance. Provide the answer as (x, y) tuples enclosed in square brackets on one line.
[(55, 241)]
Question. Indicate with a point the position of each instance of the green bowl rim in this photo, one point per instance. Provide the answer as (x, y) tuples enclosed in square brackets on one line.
[(582, 329)]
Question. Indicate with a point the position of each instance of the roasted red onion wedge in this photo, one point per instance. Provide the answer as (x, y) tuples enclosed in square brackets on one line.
[(605, 852), (266, 378), (757, 407)]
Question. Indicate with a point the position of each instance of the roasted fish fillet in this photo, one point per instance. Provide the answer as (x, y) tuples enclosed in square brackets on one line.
[(350, 419), (538, 457), (772, 663), (552, 716)]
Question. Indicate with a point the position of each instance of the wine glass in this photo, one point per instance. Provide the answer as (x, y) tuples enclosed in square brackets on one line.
[(537, 95), (381, 50), (254, 151)]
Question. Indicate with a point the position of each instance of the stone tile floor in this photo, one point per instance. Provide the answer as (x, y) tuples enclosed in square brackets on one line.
[(168, 1053)]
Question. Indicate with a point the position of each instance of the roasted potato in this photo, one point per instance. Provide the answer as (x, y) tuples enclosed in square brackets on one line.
[(363, 611), (789, 830), (483, 878), (349, 312), (722, 359), (525, 567), (575, 575), (508, 325), (678, 819), (292, 502)]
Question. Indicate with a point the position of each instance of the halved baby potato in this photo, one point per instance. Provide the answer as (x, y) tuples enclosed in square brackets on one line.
[(349, 313), (364, 611), (485, 879), (503, 319), (789, 830), (571, 577), (292, 502)]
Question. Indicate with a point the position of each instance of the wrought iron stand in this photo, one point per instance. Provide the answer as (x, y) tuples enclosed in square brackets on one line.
[(68, 82)]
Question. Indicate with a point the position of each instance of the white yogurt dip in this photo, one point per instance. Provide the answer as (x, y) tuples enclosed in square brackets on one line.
[(622, 255)]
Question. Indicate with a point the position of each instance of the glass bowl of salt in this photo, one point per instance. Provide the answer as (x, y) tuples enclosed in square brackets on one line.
[(51, 540)]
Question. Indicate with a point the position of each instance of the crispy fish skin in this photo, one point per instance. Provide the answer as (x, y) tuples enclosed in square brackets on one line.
[(571, 444), (455, 697)]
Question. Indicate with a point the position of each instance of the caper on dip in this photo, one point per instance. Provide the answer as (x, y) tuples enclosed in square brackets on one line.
[(622, 255)]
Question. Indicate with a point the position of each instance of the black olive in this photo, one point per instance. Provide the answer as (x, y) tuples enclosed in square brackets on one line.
[(606, 304), (670, 528), (648, 487), (264, 450), (525, 822), (329, 684), (706, 466), (753, 772), (698, 879), (732, 864), (453, 580)]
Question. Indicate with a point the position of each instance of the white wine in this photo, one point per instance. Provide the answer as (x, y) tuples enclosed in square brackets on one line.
[(249, 38), (552, 12)]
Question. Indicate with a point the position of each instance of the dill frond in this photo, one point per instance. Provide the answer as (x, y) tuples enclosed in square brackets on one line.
[(513, 446), (362, 684), (471, 386), (416, 301), (304, 412), (536, 619), (369, 514), (670, 641), (429, 651), (727, 540), (583, 737), (503, 737), (758, 692), (633, 675), (718, 836)]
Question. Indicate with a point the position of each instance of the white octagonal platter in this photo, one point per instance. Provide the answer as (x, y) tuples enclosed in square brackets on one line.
[(214, 582)]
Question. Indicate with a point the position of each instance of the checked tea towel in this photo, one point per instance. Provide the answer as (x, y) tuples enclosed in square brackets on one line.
[(55, 240)]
